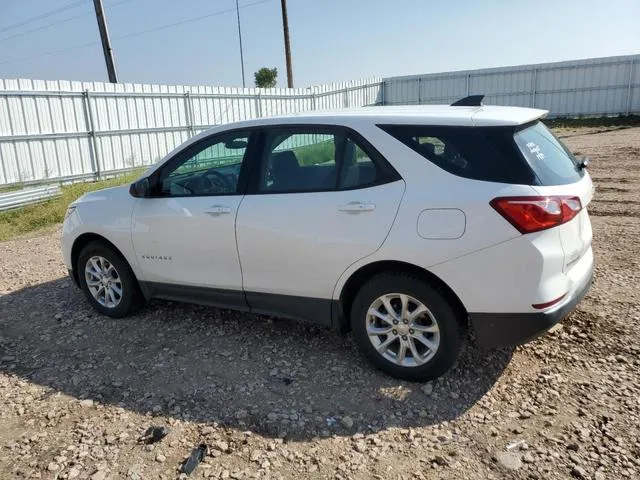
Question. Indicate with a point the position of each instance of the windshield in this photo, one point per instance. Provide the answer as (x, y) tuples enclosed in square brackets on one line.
[(551, 161)]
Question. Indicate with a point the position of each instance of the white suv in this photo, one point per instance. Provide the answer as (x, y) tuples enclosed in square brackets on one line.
[(405, 225)]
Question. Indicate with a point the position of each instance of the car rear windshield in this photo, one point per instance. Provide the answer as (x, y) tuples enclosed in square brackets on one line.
[(492, 154), (551, 161)]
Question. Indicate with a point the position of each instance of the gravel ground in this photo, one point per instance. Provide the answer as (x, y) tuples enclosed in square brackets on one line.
[(276, 399)]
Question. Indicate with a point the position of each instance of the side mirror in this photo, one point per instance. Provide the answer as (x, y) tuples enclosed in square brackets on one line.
[(140, 188)]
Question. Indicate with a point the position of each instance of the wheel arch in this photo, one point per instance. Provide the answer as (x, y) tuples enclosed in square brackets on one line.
[(366, 272), (84, 240)]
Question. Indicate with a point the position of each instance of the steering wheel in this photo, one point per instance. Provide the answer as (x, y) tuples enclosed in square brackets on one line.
[(219, 180), (188, 189)]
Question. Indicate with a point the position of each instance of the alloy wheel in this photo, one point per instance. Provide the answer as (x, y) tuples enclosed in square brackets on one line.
[(402, 330)]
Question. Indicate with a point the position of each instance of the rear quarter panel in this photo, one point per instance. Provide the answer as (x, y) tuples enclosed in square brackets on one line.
[(429, 187), (575, 235)]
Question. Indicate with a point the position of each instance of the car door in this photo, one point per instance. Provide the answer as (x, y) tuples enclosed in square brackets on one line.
[(320, 199), (184, 235)]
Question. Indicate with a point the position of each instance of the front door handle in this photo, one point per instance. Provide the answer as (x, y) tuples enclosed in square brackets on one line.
[(356, 207), (215, 210)]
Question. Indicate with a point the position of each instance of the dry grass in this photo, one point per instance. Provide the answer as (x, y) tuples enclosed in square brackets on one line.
[(35, 217)]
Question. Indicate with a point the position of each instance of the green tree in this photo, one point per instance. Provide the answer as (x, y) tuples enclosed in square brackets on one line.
[(266, 77)]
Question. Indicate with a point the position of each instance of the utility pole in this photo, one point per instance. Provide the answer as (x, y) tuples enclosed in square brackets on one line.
[(287, 47), (106, 44), (240, 38)]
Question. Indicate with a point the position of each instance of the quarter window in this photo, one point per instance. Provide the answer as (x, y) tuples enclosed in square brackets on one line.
[(479, 153)]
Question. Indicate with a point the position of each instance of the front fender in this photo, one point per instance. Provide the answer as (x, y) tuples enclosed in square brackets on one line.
[(114, 226)]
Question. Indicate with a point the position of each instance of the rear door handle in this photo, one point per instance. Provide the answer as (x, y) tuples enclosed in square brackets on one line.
[(215, 210), (356, 207)]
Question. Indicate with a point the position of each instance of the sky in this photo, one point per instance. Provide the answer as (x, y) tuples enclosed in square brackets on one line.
[(331, 40)]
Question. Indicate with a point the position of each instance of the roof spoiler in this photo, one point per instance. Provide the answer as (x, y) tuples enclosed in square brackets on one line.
[(470, 101)]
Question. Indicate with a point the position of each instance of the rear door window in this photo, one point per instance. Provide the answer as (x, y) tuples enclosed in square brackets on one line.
[(303, 161), (300, 159), (551, 161)]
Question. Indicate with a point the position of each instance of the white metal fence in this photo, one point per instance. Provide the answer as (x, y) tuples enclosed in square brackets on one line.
[(71, 130), (58, 130), (598, 86)]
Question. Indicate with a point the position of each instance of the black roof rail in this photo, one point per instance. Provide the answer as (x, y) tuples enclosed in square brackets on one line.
[(470, 101)]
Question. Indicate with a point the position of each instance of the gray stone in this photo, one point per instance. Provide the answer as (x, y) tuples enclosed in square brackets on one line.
[(255, 455), (73, 473), (221, 446), (347, 422), (579, 472), (99, 475), (440, 460), (509, 460)]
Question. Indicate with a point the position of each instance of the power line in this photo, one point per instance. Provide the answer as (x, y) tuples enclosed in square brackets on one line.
[(54, 52), (134, 34), (43, 27), (189, 20), (26, 32), (64, 8)]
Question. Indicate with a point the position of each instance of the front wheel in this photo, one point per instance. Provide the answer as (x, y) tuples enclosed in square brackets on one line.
[(108, 281), (405, 327)]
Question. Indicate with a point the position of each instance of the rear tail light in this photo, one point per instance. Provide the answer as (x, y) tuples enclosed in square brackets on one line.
[(532, 214)]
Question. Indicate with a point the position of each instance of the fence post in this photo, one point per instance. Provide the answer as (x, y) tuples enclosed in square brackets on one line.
[(313, 99), (346, 98), (534, 87), (4, 170), (630, 89), (93, 148), (419, 90), (188, 112), (259, 104), (383, 92), (468, 84)]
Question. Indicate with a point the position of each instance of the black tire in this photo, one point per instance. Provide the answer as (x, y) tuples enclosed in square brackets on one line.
[(450, 331), (131, 299)]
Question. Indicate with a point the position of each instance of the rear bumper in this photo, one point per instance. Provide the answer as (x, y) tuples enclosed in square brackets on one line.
[(507, 329)]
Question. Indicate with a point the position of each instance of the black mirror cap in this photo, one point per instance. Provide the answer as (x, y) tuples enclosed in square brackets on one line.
[(140, 188)]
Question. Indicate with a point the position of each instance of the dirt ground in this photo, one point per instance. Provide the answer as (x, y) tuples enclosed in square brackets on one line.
[(276, 399)]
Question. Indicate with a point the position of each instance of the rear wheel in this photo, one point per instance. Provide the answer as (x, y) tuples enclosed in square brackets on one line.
[(405, 327), (107, 281)]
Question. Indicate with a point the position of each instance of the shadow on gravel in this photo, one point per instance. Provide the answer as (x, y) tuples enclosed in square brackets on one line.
[(275, 378)]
